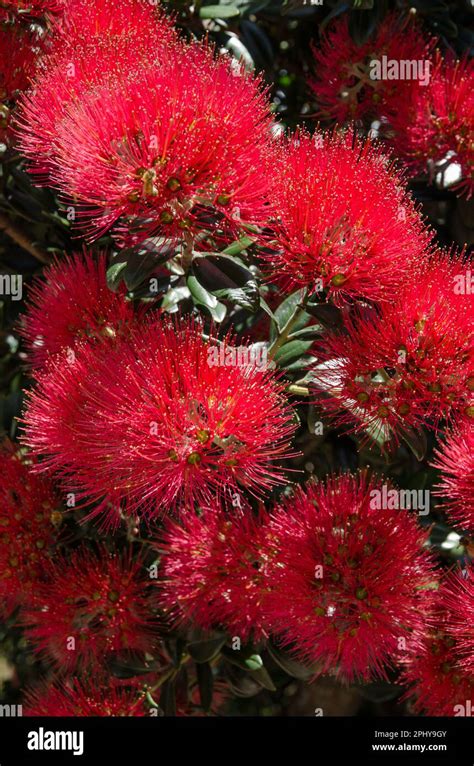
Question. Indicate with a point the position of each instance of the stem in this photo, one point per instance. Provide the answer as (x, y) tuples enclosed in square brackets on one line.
[(22, 239), (298, 390)]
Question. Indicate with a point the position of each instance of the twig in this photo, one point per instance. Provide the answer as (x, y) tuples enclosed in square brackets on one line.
[(22, 240)]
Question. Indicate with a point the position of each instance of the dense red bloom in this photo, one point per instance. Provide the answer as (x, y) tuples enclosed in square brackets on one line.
[(29, 517), (441, 680), (160, 418), (20, 49), (459, 600), (29, 9), (410, 363), (83, 56), (455, 459), (73, 304), (90, 608), (433, 126), (78, 698), (213, 574), (346, 588), (343, 85), (138, 150), (343, 221), (120, 134)]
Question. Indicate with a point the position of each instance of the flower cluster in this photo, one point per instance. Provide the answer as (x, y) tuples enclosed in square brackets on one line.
[(30, 514), (344, 222), (440, 673), (91, 608), (76, 698), (149, 423), (329, 573), (72, 303), (408, 363), (160, 136), (423, 103), (455, 459)]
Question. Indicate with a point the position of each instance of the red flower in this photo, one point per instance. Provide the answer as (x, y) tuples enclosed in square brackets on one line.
[(344, 87), (83, 56), (78, 698), (459, 600), (343, 222), (440, 682), (90, 609), (162, 417), (409, 364), (346, 586), (19, 10), (74, 304), (29, 517), (213, 573), (20, 49), (434, 125), (455, 459), (138, 150)]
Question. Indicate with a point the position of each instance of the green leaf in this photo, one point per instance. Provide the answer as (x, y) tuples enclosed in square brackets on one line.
[(200, 294), (168, 698), (115, 274), (416, 441), (218, 11), (288, 308), (292, 351), (254, 662), (204, 651), (219, 272)]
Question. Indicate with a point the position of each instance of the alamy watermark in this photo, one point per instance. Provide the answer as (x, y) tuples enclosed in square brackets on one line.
[(11, 285), (404, 69), (400, 499), (239, 356)]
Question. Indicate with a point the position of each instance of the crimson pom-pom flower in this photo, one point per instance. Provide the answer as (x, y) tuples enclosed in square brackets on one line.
[(438, 672), (343, 221), (84, 55), (433, 125), (409, 363), (27, 10), (73, 303), (455, 460), (459, 599), (347, 584), (79, 698), (90, 608), (20, 50), (161, 417), (345, 82), (139, 151), (29, 520), (213, 572)]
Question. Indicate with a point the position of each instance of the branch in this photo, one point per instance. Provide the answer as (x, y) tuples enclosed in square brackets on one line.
[(22, 239)]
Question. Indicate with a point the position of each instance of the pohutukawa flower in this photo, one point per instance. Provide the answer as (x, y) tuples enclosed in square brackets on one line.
[(213, 572), (439, 674), (459, 599), (433, 126), (74, 304), (343, 220), (20, 49), (409, 364), (77, 698), (137, 150), (29, 519), (19, 10), (84, 55), (347, 588), (346, 85), (455, 460), (153, 421), (91, 608)]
